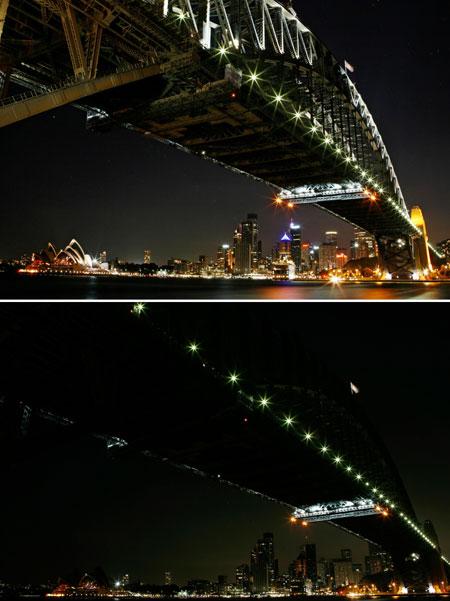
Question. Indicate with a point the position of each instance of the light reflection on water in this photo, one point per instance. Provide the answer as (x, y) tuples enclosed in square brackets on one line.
[(98, 288)]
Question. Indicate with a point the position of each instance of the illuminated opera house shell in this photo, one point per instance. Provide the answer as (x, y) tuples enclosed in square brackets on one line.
[(71, 258)]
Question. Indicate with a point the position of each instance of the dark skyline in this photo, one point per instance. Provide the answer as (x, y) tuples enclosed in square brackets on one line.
[(71, 505), (120, 193)]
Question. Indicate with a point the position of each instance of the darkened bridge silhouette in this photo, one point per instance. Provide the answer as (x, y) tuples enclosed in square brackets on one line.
[(243, 83), (245, 404)]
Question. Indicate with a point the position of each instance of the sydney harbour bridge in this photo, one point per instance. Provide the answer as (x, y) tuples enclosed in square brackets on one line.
[(254, 411), (242, 83)]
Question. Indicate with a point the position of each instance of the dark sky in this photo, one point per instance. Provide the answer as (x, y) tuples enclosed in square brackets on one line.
[(120, 193), (72, 506)]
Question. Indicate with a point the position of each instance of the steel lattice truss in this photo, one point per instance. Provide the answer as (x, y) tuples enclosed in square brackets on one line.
[(243, 83)]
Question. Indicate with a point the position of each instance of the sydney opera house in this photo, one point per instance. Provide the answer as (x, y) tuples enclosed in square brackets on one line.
[(71, 259)]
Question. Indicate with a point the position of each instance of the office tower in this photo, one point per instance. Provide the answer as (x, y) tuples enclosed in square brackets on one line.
[(263, 565), (331, 238), (249, 231), (341, 258), (168, 578), (284, 248), (327, 256), (311, 563), (147, 257), (102, 257), (243, 578), (224, 258), (346, 554), (365, 246), (343, 572), (243, 259), (296, 245)]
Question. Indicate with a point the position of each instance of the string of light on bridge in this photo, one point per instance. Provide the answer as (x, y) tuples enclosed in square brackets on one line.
[(317, 132), (304, 434)]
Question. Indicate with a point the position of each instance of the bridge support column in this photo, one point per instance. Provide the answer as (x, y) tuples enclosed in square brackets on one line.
[(397, 256)]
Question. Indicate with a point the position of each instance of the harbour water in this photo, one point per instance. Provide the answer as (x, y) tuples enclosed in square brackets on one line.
[(26, 287)]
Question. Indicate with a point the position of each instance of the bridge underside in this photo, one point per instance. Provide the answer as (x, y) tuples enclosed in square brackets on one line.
[(233, 125), (194, 417)]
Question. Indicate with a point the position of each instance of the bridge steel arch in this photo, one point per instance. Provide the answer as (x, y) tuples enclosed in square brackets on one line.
[(310, 442)]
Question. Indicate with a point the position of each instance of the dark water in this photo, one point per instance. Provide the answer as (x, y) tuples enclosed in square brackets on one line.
[(26, 287)]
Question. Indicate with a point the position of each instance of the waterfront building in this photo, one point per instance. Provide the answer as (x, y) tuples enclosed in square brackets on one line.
[(71, 259)]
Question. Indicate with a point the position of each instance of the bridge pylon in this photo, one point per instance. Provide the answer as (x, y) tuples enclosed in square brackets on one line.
[(420, 243), (397, 256)]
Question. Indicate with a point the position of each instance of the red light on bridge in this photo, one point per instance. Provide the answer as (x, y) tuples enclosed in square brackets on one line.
[(233, 95)]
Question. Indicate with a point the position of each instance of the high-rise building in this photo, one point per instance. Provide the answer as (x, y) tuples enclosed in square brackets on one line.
[(243, 578), (365, 245), (249, 231), (263, 565), (168, 578), (343, 572), (331, 238), (327, 256), (224, 258), (147, 257), (102, 257), (296, 245), (243, 259), (284, 248), (346, 554), (311, 563), (341, 258), (378, 552)]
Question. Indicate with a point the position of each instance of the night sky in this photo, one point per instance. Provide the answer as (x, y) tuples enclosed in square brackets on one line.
[(119, 193), (72, 506)]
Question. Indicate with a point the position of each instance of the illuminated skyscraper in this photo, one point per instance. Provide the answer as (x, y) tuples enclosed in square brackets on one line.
[(296, 245), (284, 248), (147, 257), (249, 231)]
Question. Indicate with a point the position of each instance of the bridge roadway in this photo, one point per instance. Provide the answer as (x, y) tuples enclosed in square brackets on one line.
[(240, 82), (165, 400)]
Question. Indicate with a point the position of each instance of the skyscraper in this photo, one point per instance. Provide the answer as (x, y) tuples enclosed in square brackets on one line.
[(243, 578), (249, 230), (296, 245), (147, 257), (263, 565)]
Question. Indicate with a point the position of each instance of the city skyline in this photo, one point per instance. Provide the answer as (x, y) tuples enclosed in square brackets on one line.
[(119, 190)]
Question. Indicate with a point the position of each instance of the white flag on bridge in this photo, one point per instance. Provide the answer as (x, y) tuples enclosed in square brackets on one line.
[(349, 67)]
